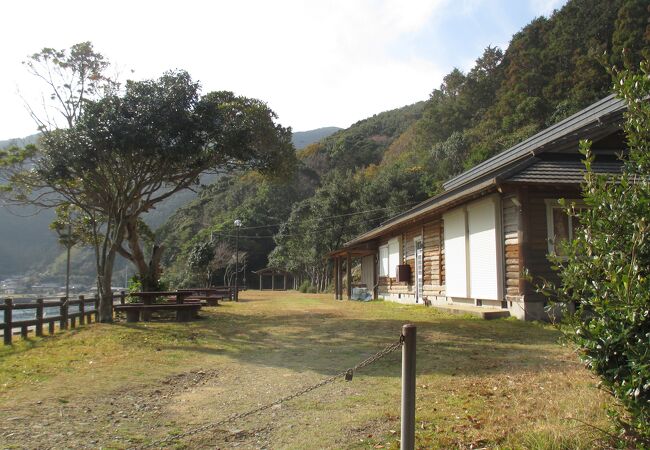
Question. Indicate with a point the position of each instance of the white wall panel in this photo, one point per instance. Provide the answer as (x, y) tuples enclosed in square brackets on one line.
[(455, 253), (483, 273)]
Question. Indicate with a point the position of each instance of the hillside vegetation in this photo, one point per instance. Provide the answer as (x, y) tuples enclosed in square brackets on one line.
[(358, 177), (29, 246)]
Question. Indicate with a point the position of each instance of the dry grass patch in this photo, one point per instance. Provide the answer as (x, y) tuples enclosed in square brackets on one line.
[(496, 384)]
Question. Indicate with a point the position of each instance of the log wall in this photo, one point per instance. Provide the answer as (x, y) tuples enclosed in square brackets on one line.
[(433, 260)]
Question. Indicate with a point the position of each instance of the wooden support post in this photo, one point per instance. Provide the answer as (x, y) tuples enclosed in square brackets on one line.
[(82, 311), (260, 277), (284, 286), (375, 280), (24, 330), (273, 281), (408, 387), (8, 328), (179, 298), (63, 312), (50, 327), (336, 278), (39, 317), (348, 268), (339, 275)]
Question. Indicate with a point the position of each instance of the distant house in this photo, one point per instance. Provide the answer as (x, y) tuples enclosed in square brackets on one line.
[(11, 286), (470, 245)]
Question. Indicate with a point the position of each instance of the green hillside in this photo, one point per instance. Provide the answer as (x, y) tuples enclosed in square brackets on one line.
[(356, 178), (302, 139), (264, 205), (28, 245)]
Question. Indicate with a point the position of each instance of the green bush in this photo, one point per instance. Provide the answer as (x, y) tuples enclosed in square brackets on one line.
[(605, 277), (305, 286)]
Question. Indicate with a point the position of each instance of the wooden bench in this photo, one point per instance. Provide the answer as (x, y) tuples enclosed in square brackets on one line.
[(185, 312), (210, 300)]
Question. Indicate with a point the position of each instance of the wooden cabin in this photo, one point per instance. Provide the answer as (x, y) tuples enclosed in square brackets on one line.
[(470, 246)]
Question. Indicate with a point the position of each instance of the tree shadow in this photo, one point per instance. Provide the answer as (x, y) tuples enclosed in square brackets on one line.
[(327, 343)]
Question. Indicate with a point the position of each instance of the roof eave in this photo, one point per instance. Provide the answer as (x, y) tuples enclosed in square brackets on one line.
[(436, 203)]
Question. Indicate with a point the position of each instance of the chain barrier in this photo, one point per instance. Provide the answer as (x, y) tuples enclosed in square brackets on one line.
[(346, 374)]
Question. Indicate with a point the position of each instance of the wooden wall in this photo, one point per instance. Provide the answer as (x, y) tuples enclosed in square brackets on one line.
[(511, 241), (433, 252)]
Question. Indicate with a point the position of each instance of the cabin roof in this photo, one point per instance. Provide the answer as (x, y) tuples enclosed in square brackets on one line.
[(597, 116), (563, 171), (522, 163)]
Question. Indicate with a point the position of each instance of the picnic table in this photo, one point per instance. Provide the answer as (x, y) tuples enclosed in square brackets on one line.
[(143, 310), (211, 295), (136, 311), (149, 297)]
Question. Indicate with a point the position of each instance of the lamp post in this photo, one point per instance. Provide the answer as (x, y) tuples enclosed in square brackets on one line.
[(237, 227), (68, 240)]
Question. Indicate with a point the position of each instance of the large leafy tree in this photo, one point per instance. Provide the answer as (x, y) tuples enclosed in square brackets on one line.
[(127, 152)]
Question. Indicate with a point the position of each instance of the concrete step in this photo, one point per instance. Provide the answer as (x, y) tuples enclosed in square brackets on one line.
[(478, 311)]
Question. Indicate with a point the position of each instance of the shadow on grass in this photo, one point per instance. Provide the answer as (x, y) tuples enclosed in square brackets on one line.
[(328, 342)]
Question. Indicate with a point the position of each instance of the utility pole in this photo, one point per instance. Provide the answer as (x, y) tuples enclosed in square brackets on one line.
[(67, 265), (236, 293)]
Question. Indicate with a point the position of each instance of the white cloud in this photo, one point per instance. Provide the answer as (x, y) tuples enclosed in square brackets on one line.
[(330, 62), (315, 63)]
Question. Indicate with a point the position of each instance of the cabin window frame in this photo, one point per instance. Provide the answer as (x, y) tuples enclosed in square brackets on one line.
[(391, 263), (552, 205), (383, 255)]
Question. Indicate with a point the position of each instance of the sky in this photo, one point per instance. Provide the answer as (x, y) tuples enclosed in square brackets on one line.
[(315, 63)]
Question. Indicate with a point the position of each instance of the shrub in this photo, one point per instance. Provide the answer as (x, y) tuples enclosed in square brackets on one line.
[(305, 286), (606, 273)]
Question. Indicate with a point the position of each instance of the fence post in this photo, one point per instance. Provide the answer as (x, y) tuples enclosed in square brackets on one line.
[(39, 317), (96, 307), (63, 312), (408, 387), (7, 321), (82, 311)]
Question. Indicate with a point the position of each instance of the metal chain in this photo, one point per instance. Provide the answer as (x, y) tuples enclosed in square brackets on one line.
[(366, 362)]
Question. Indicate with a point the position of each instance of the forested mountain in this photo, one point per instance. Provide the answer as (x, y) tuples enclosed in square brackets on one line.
[(264, 205), (356, 178), (28, 245), (302, 139)]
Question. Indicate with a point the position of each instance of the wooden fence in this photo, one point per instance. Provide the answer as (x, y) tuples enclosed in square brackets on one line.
[(87, 309)]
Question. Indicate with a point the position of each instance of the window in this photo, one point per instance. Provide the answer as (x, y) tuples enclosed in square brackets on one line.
[(383, 261), (561, 226), (393, 257), (389, 258)]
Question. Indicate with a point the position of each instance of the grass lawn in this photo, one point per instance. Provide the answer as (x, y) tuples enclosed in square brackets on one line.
[(495, 384)]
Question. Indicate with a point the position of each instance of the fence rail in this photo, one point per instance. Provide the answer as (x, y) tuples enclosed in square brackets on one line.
[(65, 317)]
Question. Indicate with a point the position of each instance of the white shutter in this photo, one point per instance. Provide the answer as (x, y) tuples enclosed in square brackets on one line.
[(455, 253), (383, 261), (393, 257), (368, 271), (483, 274)]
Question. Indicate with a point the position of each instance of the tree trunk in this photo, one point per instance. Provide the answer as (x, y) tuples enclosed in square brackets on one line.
[(149, 273), (105, 291), (150, 279)]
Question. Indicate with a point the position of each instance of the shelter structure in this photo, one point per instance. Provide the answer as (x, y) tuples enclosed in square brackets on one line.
[(469, 247), (275, 279)]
